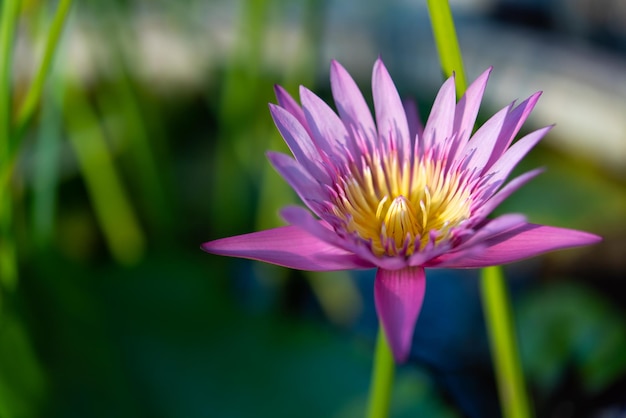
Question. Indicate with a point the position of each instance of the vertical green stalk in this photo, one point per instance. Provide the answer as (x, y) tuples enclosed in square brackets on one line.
[(9, 148), (46, 157), (52, 40), (447, 42), (8, 259), (382, 379), (511, 385), (10, 13), (498, 314), (112, 206)]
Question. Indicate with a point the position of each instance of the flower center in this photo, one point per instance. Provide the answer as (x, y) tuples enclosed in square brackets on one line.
[(398, 221), (398, 207)]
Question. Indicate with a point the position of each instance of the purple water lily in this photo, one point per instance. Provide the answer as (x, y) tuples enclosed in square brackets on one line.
[(386, 193)]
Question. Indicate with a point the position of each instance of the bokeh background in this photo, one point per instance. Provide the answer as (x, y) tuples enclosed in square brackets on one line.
[(150, 139)]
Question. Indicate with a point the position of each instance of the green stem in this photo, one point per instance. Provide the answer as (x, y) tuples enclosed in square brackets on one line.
[(447, 43), (510, 378), (112, 206), (8, 258), (382, 379), (9, 148), (33, 95), (498, 314), (10, 13)]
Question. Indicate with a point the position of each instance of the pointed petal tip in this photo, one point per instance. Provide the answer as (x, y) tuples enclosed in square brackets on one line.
[(206, 246), (338, 73), (483, 78), (303, 93), (279, 92), (274, 108), (588, 238), (379, 65)]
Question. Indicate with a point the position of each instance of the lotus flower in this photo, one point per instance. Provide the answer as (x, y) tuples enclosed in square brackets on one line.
[(382, 192)]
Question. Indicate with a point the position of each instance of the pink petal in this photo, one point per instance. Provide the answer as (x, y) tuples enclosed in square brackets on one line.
[(487, 207), (299, 142), (398, 295), (416, 129), (493, 227), (286, 246), (350, 102), (514, 122), (523, 242), (328, 130), (302, 218), (467, 108), (393, 128), (290, 105), (298, 178), (479, 148), (441, 119), (507, 162)]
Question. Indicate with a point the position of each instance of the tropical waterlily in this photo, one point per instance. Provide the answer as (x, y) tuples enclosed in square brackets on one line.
[(385, 193)]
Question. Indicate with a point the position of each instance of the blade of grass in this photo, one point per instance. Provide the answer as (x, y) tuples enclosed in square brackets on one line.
[(45, 169), (140, 155), (8, 256), (447, 42), (33, 96), (110, 202), (29, 105), (8, 22)]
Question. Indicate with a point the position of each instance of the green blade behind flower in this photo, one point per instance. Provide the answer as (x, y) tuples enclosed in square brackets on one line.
[(8, 257)]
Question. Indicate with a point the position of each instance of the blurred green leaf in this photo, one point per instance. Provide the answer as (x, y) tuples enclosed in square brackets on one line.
[(113, 209), (46, 167), (568, 324)]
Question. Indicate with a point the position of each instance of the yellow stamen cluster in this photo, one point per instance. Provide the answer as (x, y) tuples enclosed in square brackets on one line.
[(395, 204)]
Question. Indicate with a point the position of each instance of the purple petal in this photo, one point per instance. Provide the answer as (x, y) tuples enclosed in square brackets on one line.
[(286, 246), (290, 105), (479, 148), (507, 162), (487, 207), (416, 129), (350, 102), (328, 130), (523, 242), (302, 218), (441, 119), (467, 108), (493, 227), (298, 216), (299, 142), (398, 295), (391, 121), (298, 178), (512, 125)]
